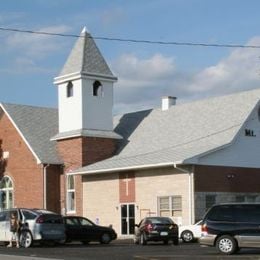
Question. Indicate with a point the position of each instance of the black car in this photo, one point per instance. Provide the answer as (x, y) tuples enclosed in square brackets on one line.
[(231, 226), (84, 230), (156, 229)]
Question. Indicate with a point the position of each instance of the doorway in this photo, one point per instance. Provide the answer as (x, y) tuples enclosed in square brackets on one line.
[(127, 219)]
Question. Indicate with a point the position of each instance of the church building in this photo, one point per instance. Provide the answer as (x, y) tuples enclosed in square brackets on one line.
[(79, 159)]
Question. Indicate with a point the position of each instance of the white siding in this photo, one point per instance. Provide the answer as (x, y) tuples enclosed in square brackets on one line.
[(70, 108), (243, 152), (83, 110), (97, 110)]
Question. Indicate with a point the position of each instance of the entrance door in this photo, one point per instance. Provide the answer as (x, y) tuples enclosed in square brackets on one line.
[(127, 219)]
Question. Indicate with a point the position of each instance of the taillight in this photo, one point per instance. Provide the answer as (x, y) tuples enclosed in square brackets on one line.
[(204, 229), (149, 227), (40, 220)]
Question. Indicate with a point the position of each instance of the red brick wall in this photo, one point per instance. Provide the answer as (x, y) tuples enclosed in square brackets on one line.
[(82, 151), (226, 179), (26, 174), (54, 173), (22, 167), (126, 187)]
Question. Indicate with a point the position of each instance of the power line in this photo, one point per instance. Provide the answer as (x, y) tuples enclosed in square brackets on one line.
[(189, 44)]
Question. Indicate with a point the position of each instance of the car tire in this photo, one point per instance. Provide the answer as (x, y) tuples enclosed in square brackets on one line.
[(226, 245), (187, 236), (136, 241), (165, 242), (143, 240), (25, 239), (105, 238)]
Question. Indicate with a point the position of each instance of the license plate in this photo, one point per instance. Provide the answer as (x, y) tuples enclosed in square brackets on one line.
[(164, 234)]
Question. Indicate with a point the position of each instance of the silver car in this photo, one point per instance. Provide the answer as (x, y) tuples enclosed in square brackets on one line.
[(37, 225)]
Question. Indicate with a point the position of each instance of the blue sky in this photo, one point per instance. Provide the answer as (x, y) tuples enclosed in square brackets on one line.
[(28, 63)]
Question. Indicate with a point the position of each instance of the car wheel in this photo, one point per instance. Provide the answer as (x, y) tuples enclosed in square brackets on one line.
[(25, 239), (165, 242), (105, 238), (187, 236), (136, 240), (143, 240), (226, 245)]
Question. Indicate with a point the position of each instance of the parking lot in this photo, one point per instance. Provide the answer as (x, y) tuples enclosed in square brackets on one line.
[(120, 249)]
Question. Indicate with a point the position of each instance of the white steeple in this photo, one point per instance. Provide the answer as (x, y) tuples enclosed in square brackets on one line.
[(85, 91)]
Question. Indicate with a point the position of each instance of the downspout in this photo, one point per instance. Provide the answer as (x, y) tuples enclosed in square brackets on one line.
[(190, 191), (45, 186)]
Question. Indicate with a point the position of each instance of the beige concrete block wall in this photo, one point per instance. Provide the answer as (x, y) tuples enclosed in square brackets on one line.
[(151, 184), (101, 195), (100, 199)]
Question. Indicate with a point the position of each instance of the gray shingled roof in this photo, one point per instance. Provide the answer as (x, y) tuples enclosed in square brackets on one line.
[(179, 134), (86, 58), (37, 125)]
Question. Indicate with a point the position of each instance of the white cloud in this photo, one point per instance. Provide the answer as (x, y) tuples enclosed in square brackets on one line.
[(239, 71), (142, 82), (36, 45)]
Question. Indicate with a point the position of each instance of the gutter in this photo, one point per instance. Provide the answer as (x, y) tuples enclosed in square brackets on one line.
[(147, 166)]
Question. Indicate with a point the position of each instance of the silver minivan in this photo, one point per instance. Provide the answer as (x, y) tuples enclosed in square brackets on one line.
[(37, 225)]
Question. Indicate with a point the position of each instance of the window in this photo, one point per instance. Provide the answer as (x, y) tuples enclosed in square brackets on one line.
[(97, 89), (28, 215), (70, 193), (210, 200), (85, 222), (245, 198), (70, 89), (221, 213), (6, 193), (170, 206)]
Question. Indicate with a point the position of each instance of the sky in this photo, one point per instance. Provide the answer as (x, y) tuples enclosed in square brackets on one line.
[(146, 72)]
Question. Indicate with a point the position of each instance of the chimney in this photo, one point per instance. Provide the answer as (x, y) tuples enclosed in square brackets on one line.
[(167, 102)]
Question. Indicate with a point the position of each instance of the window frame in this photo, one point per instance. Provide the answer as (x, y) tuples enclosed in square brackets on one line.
[(69, 89), (71, 194), (172, 211), (97, 89), (8, 190)]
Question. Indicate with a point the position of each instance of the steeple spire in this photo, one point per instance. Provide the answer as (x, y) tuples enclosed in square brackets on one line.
[(85, 92), (85, 59), (84, 30)]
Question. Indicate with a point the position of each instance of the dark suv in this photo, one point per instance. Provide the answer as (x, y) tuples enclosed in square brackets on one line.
[(231, 226)]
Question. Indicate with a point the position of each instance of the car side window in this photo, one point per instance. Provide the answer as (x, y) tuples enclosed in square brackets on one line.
[(221, 213), (28, 215), (85, 222), (242, 213), (71, 221)]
